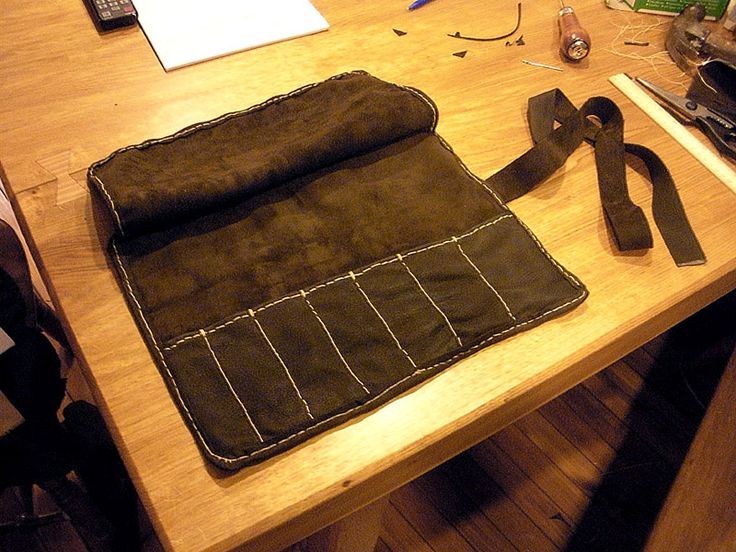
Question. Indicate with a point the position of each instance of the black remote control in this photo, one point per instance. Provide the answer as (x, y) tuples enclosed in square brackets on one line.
[(111, 14)]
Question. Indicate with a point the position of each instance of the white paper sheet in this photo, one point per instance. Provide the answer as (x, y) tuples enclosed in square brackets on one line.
[(183, 32)]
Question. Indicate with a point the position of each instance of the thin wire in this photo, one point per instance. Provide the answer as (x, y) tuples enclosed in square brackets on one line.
[(518, 24)]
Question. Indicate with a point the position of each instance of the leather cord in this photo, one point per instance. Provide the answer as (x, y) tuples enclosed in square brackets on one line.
[(552, 147)]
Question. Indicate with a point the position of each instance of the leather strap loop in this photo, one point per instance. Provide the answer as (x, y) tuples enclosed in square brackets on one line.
[(552, 147), (627, 221), (668, 211)]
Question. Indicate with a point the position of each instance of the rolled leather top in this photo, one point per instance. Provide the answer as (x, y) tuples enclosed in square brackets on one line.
[(160, 183)]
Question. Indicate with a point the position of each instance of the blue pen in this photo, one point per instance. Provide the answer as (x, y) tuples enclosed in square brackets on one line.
[(417, 4)]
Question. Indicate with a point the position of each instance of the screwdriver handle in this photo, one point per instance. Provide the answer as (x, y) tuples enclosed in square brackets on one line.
[(574, 40)]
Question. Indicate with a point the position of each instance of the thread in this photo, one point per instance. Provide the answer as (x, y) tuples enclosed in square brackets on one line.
[(699, 76), (630, 32)]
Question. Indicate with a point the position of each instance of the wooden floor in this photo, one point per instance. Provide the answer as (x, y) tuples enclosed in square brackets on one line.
[(587, 472)]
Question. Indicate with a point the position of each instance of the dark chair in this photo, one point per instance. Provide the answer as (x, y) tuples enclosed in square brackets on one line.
[(38, 451)]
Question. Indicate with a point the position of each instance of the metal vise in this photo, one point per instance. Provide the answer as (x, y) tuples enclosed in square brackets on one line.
[(690, 42)]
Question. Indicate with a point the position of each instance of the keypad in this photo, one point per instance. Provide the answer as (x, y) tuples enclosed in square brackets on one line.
[(110, 9)]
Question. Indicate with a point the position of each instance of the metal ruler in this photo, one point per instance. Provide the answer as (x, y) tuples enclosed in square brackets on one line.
[(674, 128)]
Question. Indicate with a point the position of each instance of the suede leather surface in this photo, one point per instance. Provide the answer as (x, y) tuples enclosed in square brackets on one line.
[(300, 262), (153, 185)]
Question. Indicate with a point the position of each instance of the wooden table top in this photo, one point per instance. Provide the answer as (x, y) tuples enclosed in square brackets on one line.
[(72, 96)]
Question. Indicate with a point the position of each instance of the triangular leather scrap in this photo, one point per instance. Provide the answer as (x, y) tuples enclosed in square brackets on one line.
[(305, 260)]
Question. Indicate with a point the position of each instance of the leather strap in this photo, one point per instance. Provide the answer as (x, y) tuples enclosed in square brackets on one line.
[(552, 147)]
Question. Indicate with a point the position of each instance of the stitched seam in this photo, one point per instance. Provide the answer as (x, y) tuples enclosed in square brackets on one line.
[(332, 341), (109, 199), (196, 334), (188, 336), (257, 107), (282, 363), (570, 277), (179, 397), (462, 236), (487, 283), (470, 173), (429, 298), (421, 96), (193, 128), (230, 385), (233, 115), (391, 387), (385, 324), (263, 450)]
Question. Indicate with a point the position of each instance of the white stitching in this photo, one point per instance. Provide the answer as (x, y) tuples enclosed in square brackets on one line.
[(191, 129), (180, 341), (470, 174), (283, 364), (493, 289), (107, 195), (425, 99), (183, 404), (264, 450), (345, 277), (222, 118), (334, 345), (211, 330), (388, 328), (424, 291), (229, 385), (450, 360)]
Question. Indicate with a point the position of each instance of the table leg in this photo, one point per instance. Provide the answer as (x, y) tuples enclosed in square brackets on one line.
[(357, 532), (699, 513)]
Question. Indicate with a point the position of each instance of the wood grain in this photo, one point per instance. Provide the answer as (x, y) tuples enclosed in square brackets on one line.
[(357, 532), (63, 109)]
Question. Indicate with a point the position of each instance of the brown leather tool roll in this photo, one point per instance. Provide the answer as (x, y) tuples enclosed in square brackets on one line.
[(302, 261)]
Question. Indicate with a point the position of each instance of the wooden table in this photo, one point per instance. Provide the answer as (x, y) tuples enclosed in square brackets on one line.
[(71, 96)]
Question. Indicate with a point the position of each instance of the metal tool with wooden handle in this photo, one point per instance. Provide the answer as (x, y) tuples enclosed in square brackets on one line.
[(574, 40)]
